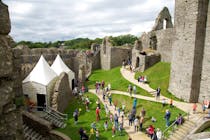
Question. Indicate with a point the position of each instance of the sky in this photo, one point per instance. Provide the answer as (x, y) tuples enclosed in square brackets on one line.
[(52, 20)]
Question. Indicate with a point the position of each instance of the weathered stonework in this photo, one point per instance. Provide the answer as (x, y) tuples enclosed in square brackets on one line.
[(5, 25), (205, 76), (62, 93), (10, 116), (159, 22), (187, 52), (113, 56)]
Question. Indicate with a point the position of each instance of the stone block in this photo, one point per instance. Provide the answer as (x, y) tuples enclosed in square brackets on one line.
[(5, 25)]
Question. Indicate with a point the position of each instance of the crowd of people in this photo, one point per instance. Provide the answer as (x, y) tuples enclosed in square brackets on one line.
[(115, 121)]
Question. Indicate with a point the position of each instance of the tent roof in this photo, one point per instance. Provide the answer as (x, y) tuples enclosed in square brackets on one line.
[(42, 73), (59, 66)]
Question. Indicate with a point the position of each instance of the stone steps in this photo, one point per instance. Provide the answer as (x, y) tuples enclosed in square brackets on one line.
[(55, 121), (182, 131), (31, 134)]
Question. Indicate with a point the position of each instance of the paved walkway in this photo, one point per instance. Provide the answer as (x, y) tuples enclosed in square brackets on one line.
[(129, 129), (187, 107)]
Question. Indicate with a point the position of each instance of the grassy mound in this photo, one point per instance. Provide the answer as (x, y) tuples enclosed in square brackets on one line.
[(85, 120), (115, 78), (158, 76)]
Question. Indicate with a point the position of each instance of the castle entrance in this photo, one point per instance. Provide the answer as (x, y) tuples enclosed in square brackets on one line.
[(41, 101)]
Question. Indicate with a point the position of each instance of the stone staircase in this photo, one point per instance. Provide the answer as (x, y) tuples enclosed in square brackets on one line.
[(183, 130), (56, 118), (31, 134)]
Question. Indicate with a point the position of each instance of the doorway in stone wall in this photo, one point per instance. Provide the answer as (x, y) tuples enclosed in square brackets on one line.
[(137, 62), (41, 101), (72, 84)]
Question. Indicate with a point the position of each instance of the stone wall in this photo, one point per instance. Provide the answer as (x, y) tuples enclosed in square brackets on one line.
[(118, 54), (62, 93), (105, 54), (164, 43), (10, 116), (164, 40), (205, 77), (187, 52), (38, 124)]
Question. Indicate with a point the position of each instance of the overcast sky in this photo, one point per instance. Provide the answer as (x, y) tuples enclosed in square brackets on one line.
[(52, 20)]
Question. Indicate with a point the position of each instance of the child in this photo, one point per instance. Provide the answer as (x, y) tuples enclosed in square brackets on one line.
[(106, 125)]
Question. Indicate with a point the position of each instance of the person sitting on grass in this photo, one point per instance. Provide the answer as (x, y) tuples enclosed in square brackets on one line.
[(153, 119)]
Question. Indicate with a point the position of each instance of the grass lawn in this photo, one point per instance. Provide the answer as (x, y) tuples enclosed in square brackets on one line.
[(158, 75), (115, 78), (152, 109), (85, 120)]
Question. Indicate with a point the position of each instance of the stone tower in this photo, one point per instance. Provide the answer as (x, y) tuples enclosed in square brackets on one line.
[(106, 54), (10, 116), (205, 76), (188, 48)]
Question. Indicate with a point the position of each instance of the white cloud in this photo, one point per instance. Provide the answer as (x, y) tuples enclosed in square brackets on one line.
[(52, 20)]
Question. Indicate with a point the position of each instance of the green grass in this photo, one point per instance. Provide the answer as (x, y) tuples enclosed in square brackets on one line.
[(206, 130), (115, 78), (152, 109), (85, 120), (158, 76)]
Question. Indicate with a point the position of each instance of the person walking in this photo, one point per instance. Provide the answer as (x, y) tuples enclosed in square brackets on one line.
[(136, 124), (97, 114), (159, 134), (194, 108), (158, 93), (167, 117), (134, 90), (75, 115), (116, 121), (110, 100), (141, 123), (130, 119)]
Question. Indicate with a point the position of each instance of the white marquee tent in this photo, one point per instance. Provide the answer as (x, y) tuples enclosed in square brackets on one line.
[(39, 83), (59, 66)]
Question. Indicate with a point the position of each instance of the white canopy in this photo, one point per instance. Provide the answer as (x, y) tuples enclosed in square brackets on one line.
[(42, 73), (59, 66)]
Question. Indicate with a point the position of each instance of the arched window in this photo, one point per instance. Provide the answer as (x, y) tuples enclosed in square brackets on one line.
[(164, 24)]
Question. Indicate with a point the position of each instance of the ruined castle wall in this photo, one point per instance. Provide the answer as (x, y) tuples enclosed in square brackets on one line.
[(10, 116), (118, 55), (62, 93), (96, 61), (164, 42), (187, 49), (27, 58), (105, 55), (205, 76)]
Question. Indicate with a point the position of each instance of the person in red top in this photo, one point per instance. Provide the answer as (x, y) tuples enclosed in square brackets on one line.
[(97, 114), (150, 131), (194, 108)]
